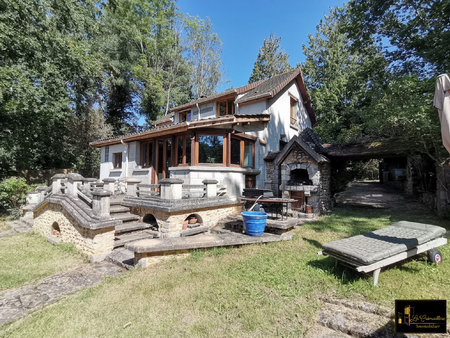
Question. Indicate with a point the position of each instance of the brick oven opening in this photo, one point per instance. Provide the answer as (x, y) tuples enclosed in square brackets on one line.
[(299, 177), (56, 231), (150, 219), (192, 221)]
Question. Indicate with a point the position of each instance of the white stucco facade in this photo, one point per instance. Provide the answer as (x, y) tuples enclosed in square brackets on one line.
[(268, 136)]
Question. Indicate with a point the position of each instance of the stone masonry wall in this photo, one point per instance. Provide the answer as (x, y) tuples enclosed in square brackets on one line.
[(324, 188), (171, 223), (94, 243)]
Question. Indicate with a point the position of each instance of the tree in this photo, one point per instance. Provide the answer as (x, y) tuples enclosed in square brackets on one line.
[(203, 49), (415, 33), (270, 61), (340, 79)]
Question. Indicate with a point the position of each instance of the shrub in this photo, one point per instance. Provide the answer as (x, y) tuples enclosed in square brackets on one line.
[(13, 192)]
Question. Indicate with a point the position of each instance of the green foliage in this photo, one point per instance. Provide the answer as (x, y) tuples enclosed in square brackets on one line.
[(270, 61), (360, 90), (13, 192), (72, 72), (203, 48), (415, 32)]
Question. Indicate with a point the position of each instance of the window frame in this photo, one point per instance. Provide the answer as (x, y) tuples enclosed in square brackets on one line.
[(228, 102), (185, 114), (292, 112), (242, 140), (117, 164), (224, 148)]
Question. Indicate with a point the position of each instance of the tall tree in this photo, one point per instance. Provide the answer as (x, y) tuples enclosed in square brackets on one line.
[(416, 33), (203, 49), (271, 60), (341, 79)]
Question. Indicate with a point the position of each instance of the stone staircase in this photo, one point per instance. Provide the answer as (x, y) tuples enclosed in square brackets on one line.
[(131, 229)]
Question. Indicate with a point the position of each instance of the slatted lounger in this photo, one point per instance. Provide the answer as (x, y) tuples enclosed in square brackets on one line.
[(372, 251)]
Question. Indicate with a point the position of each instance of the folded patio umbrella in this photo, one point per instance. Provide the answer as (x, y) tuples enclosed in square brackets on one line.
[(442, 103)]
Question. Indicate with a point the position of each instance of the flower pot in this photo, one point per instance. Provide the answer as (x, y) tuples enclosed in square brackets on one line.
[(254, 222), (309, 209)]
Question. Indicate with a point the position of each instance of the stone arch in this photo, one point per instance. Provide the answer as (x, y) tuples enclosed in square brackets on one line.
[(151, 219), (56, 231), (196, 216)]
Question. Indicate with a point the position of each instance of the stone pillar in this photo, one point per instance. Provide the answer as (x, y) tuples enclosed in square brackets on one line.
[(73, 180), (33, 197), (42, 190), (211, 188), (57, 183), (109, 184), (101, 203), (171, 188), (88, 182), (132, 186)]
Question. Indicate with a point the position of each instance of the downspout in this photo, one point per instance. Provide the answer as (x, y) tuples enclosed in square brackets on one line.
[(198, 108), (126, 157)]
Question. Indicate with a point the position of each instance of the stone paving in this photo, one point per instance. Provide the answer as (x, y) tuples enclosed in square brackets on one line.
[(17, 303), (375, 195)]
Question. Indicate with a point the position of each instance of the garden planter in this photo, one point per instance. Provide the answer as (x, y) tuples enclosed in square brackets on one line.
[(254, 222)]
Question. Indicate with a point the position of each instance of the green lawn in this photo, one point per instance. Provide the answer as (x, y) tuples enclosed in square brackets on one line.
[(257, 290), (28, 257)]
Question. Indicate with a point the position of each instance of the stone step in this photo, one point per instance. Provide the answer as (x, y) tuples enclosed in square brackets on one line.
[(131, 237), (126, 217), (116, 209), (122, 257), (132, 226)]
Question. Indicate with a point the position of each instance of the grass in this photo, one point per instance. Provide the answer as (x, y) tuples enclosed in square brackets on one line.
[(3, 226), (257, 290), (25, 258)]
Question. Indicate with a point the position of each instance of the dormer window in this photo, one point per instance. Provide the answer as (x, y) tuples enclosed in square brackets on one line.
[(184, 116), (225, 108)]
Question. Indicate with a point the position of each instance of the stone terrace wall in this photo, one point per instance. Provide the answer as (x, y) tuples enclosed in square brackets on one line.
[(97, 244), (170, 223)]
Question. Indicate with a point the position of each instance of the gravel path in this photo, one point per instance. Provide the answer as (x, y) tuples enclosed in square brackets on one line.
[(17, 303)]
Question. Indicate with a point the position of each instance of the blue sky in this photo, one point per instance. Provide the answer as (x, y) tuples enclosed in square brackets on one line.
[(243, 24)]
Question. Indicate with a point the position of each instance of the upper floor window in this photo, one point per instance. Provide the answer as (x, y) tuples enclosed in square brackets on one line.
[(117, 160), (184, 116), (225, 108), (293, 111)]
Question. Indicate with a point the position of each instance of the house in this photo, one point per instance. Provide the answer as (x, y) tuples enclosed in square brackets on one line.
[(225, 137)]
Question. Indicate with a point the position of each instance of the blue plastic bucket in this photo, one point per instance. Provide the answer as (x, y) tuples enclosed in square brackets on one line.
[(255, 222)]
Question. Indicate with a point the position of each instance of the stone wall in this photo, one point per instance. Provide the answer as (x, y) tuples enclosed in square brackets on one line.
[(170, 223), (95, 243), (325, 188)]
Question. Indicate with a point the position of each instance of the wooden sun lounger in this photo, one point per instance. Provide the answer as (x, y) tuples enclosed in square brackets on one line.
[(377, 249)]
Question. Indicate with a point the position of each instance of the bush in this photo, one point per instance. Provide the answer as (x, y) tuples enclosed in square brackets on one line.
[(13, 192)]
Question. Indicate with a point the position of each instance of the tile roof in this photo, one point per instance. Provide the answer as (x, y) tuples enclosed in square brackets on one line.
[(269, 87)]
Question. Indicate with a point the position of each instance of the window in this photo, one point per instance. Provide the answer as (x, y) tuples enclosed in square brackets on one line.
[(184, 116), (146, 154), (210, 149), (180, 150), (293, 112), (117, 160), (235, 151), (242, 152), (107, 154), (248, 154), (225, 108)]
